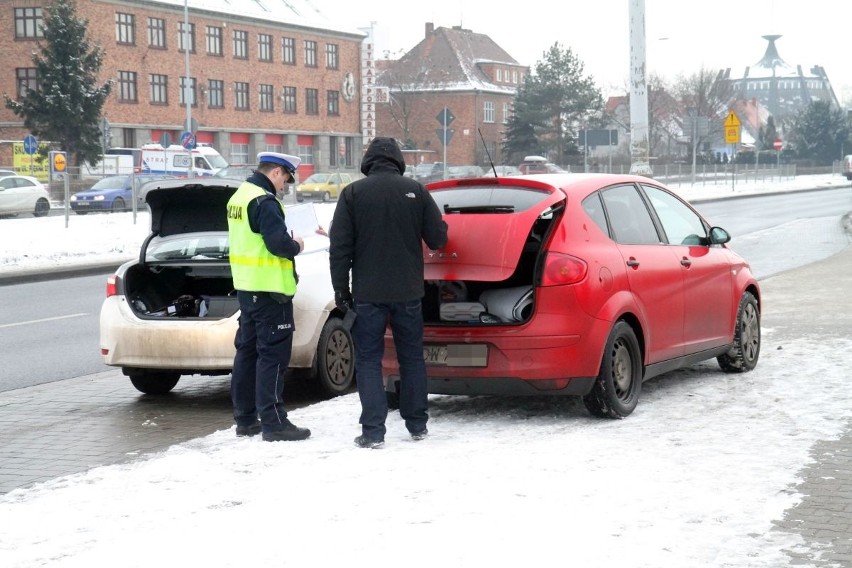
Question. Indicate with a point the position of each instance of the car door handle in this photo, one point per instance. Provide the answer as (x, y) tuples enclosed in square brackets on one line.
[(685, 262), (632, 262)]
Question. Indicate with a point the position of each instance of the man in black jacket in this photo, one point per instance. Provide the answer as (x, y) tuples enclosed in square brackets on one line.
[(377, 232)]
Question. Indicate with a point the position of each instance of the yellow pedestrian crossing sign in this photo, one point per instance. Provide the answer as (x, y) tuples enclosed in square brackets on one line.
[(732, 129)]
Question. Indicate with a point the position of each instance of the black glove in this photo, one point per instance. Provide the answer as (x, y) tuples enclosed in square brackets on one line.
[(343, 299)]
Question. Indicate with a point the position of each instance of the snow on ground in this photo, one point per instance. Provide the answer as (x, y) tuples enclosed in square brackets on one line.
[(693, 478)]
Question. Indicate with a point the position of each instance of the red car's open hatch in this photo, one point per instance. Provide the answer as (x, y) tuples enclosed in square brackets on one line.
[(489, 223)]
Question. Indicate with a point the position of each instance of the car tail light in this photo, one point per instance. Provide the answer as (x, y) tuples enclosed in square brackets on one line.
[(561, 269), (112, 286)]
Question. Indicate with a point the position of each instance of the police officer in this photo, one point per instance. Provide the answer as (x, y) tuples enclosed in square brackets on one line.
[(262, 253)]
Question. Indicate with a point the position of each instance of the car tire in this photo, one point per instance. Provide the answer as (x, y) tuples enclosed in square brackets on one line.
[(745, 351), (118, 205), (42, 208), (616, 390), (78, 212), (154, 382), (335, 367)]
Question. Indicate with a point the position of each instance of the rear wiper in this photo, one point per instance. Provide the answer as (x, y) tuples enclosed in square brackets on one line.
[(480, 209)]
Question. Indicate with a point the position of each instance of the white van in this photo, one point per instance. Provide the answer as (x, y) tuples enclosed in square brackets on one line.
[(176, 160), (846, 168), (116, 161)]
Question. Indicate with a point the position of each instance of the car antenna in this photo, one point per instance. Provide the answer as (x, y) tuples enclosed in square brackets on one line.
[(487, 153)]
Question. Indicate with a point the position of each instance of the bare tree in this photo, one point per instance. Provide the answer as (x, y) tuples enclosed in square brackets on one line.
[(704, 95)]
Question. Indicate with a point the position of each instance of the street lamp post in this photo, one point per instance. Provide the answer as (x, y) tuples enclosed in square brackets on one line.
[(187, 97)]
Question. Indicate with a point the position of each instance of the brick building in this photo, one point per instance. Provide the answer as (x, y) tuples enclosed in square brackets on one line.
[(262, 75), (462, 71)]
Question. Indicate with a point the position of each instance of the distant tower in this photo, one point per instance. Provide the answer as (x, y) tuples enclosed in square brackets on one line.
[(783, 89)]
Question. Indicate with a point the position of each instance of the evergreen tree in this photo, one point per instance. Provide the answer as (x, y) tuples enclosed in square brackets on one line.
[(66, 106), (553, 103), (820, 132)]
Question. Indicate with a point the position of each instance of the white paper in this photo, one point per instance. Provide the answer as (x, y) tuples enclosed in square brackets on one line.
[(301, 220)]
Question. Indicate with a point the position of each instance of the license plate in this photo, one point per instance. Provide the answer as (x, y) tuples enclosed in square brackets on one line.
[(456, 355)]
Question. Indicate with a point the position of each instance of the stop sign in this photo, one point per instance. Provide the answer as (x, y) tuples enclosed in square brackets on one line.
[(777, 143)]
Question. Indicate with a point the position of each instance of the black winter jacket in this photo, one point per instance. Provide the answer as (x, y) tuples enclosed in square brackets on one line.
[(378, 230)]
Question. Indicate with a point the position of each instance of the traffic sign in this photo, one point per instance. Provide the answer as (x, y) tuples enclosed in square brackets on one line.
[(59, 161), (777, 143), (441, 132), (165, 140), (732, 129), (30, 144), (445, 117), (732, 121), (187, 140)]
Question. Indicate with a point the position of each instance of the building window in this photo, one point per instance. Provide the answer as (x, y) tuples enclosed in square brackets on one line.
[(350, 152), (488, 114), (214, 40), (499, 75), (274, 148), (127, 86), (240, 44), (306, 154), (333, 103), (311, 101), (264, 47), (125, 28), (267, 94), (160, 89), (288, 50), (241, 96), (128, 137), (288, 98), (331, 56), (239, 153), (183, 93), (507, 109), (185, 42), (27, 79), (28, 22), (514, 76), (310, 53), (215, 93), (333, 151), (157, 33)]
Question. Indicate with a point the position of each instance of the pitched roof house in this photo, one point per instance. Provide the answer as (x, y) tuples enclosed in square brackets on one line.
[(458, 70)]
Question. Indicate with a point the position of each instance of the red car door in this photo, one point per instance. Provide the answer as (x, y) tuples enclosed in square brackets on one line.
[(707, 272), (654, 274)]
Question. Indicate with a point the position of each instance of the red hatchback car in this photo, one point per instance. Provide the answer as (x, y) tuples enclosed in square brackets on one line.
[(578, 284)]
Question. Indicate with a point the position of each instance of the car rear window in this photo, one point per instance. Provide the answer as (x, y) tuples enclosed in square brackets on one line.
[(486, 198)]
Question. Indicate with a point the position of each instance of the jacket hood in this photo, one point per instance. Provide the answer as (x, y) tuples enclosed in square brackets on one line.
[(383, 154)]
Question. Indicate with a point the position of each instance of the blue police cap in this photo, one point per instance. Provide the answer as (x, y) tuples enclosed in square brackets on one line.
[(290, 163)]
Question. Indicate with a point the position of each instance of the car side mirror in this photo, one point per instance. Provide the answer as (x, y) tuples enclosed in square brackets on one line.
[(719, 236)]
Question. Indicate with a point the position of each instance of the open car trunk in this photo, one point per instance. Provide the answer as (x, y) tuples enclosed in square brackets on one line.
[(183, 269), (487, 272), (181, 291)]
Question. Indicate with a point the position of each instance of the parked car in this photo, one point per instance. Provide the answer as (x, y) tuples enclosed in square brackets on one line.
[(502, 171), (174, 312), (538, 165), (578, 285), (113, 193), (847, 167), (23, 194), (4, 173), (324, 187), (429, 172), (236, 172), (458, 172)]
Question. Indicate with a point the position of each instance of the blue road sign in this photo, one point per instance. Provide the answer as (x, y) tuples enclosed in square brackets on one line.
[(30, 144), (187, 140)]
